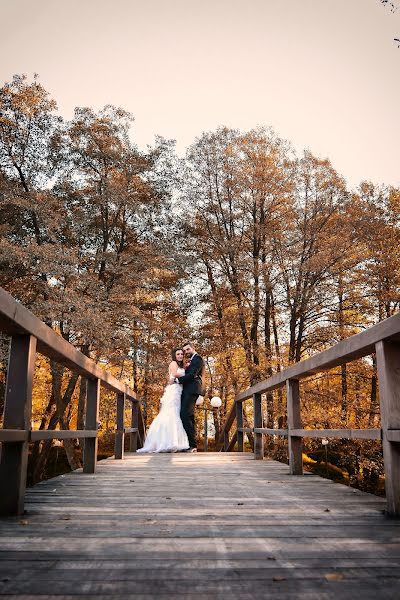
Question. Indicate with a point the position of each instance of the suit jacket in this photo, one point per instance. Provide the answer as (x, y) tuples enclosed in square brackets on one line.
[(194, 378)]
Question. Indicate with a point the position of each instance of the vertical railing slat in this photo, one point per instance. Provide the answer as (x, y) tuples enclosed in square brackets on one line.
[(133, 436), (258, 437), (119, 434), (91, 422), (294, 422), (388, 366), (239, 424), (17, 415)]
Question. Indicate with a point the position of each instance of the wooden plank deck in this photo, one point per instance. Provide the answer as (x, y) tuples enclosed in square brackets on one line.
[(198, 526)]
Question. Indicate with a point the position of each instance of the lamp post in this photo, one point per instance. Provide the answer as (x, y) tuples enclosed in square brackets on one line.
[(211, 405)]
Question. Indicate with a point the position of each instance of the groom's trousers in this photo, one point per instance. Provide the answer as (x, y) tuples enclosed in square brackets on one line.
[(188, 403)]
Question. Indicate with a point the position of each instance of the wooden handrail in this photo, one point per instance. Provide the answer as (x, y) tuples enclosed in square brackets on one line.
[(347, 350), (384, 340), (29, 335), (15, 319)]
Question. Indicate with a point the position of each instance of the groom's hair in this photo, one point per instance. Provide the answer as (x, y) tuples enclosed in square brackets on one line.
[(187, 344)]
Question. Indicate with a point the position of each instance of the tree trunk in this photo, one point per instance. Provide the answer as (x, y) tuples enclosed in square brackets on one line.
[(281, 411), (344, 399), (256, 308), (233, 280), (292, 332), (43, 424), (80, 421), (69, 445), (45, 448), (357, 403), (246, 423), (227, 363), (373, 405), (56, 418)]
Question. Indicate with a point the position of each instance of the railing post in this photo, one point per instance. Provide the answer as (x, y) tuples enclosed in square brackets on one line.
[(133, 436), (119, 434), (388, 366), (17, 415), (294, 422), (239, 424), (91, 422), (258, 437)]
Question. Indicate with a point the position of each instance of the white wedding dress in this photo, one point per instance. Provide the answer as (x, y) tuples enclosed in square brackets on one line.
[(166, 433)]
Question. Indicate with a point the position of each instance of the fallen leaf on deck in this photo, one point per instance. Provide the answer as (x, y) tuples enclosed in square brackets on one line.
[(24, 522), (278, 578), (327, 510), (334, 577)]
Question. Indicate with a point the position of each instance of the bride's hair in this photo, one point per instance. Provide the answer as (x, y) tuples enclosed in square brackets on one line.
[(173, 356)]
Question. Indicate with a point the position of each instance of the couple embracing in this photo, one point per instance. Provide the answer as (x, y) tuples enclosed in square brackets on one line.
[(173, 428)]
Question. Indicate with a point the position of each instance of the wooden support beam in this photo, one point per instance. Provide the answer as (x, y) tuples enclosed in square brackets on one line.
[(17, 415), (355, 434), (393, 435), (226, 441), (267, 431), (61, 434), (14, 435), (119, 434), (294, 422), (258, 437), (232, 443), (388, 366), (239, 425), (133, 435), (91, 423)]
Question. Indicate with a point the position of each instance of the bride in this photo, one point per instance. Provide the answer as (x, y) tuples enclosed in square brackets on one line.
[(166, 433)]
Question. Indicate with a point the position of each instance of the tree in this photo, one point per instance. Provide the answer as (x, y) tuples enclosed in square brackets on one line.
[(84, 239)]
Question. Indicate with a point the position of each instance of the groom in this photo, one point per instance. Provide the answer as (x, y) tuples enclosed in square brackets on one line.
[(193, 386)]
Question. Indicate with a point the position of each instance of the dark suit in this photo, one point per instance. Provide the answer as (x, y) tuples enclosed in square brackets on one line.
[(193, 386)]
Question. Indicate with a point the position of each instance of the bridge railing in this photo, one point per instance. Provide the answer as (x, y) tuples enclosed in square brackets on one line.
[(29, 335), (384, 340)]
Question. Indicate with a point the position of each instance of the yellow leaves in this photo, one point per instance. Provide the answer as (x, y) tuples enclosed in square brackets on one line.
[(307, 460), (334, 576)]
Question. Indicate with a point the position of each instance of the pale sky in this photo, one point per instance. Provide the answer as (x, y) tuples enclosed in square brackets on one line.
[(323, 73)]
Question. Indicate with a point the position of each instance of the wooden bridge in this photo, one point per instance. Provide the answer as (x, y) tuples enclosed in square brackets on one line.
[(212, 525)]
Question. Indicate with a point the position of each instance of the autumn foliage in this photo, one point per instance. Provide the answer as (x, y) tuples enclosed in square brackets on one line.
[(262, 256)]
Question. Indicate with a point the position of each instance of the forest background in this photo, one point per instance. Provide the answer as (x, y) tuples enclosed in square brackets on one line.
[(259, 255)]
